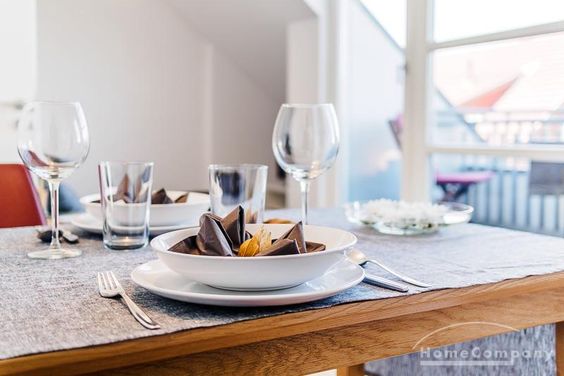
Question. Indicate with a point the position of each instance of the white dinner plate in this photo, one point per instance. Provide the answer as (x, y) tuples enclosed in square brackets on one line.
[(162, 215), (157, 278), (88, 223)]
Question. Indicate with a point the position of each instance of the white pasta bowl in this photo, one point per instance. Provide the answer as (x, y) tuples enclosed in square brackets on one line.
[(185, 213), (256, 273)]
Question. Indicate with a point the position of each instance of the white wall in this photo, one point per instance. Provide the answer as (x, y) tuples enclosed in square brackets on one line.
[(243, 117), (17, 49), (302, 85), (151, 88), (17, 68)]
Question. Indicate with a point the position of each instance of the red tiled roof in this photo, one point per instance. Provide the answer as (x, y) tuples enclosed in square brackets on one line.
[(489, 98)]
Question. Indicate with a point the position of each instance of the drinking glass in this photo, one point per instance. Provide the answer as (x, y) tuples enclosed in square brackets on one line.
[(244, 184), (52, 142), (125, 195), (305, 142)]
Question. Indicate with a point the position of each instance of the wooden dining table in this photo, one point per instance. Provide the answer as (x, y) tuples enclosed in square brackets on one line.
[(343, 336)]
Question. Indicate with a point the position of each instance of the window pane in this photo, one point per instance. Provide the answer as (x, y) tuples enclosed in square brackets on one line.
[(502, 93), (508, 192), (391, 15), (464, 18)]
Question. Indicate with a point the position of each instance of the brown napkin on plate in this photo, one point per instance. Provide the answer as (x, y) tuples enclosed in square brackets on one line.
[(295, 233), (211, 240), (182, 199), (292, 242), (234, 224), (314, 247), (224, 236), (122, 192), (160, 197), (130, 194), (217, 236), (282, 247)]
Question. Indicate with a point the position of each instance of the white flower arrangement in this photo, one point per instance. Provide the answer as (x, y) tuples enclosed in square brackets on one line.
[(401, 215)]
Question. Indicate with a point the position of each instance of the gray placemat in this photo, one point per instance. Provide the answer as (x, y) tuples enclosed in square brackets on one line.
[(54, 305)]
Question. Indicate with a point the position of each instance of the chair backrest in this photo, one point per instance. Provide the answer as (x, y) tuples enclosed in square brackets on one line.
[(546, 178), (19, 202)]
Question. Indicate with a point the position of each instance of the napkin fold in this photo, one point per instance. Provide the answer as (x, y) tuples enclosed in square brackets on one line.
[(160, 197), (212, 239), (182, 199), (217, 236), (132, 194), (296, 233), (234, 224), (223, 237), (122, 192), (281, 247)]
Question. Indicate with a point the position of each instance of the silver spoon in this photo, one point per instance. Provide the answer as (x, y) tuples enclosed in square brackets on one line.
[(360, 258)]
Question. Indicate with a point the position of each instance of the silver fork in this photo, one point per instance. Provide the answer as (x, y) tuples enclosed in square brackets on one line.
[(110, 287), (360, 258)]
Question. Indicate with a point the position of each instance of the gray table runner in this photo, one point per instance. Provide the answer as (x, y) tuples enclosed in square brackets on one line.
[(47, 306)]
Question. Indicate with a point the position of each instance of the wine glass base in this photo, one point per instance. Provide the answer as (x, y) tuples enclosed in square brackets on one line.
[(55, 254)]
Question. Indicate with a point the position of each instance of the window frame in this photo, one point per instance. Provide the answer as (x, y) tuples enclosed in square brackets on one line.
[(416, 178)]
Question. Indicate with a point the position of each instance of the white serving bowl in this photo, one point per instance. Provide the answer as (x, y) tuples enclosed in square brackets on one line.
[(256, 273), (187, 213)]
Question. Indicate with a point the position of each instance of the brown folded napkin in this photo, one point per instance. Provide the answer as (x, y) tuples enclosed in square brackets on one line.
[(211, 240), (223, 237), (234, 224), (122, 192), (292, 242), (136, 193), (314, 247), (217, 236), (182, 199), (282, 247), (295, 233), (160, 197)]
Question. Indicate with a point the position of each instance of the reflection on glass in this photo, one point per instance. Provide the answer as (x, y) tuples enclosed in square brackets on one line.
[(52, 142)]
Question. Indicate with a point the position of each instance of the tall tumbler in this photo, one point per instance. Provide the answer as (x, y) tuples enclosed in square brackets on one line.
[(125, 195), (241, 184)]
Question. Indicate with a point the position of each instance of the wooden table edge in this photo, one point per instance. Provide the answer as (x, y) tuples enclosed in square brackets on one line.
[(167, 346)]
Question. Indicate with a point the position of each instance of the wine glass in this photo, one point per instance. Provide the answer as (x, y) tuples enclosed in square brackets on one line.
[(305, 142), (52, 142)]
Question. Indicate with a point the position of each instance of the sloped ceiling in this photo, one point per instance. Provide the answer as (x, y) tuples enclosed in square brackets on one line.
[(250, 32)]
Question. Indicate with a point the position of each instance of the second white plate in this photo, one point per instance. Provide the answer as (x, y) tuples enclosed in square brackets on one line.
[(88, 223), (157, 278)]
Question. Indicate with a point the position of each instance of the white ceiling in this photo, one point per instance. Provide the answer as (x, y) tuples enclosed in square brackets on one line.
[(251, 32)]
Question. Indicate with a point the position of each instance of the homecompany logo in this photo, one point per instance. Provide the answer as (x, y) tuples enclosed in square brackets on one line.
[(475, 355)]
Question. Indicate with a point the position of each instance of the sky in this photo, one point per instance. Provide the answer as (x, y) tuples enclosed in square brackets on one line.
[(456, 19)]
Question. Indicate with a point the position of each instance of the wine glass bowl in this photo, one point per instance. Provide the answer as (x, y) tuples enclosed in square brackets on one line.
[(305, 142), (53, 141)]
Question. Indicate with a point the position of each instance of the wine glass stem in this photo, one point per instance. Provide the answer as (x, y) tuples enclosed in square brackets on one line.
[(54, 194), (304, 186)]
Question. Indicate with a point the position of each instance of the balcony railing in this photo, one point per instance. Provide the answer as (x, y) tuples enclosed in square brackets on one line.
[(521, 194)]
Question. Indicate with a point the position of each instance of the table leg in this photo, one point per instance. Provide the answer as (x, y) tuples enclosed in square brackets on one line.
[(560, 348), (356, 370)]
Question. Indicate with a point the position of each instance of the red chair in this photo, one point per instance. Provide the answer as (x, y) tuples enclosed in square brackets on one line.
[(19, 202)]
